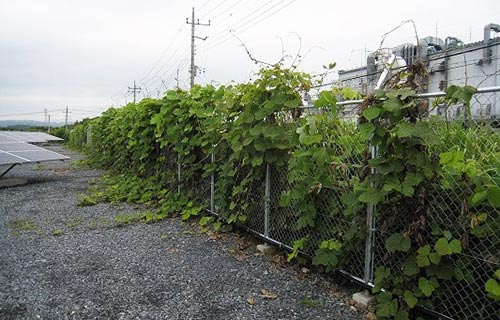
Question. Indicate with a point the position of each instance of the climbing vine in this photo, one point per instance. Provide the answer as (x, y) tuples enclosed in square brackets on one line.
[(326, 174)]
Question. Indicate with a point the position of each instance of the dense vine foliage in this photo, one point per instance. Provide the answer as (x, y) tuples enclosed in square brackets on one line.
[(331, 175)]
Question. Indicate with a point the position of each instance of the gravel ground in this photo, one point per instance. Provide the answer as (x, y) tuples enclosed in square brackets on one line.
[(61, 261)]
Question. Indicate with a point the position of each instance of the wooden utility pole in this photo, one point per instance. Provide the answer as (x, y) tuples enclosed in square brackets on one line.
[(193, 23)]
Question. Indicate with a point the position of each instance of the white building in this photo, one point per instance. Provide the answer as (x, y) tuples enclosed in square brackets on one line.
[(449, 62)]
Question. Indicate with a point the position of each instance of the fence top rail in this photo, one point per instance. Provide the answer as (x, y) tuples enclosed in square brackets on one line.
[(418, 95)]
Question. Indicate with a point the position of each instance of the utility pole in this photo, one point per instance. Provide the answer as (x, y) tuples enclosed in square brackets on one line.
[(192, 71), (48, 130), (177, 79), (45, 111), (66, 118), (135, 89)]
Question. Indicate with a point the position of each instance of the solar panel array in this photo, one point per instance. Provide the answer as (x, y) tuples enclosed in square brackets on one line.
[(15, 149), (30, 137)]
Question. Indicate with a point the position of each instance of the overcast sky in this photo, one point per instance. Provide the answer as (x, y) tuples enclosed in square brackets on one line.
[(86, 53)]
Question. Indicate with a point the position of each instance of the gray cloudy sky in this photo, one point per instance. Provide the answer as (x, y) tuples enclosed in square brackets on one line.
[(85, 53)]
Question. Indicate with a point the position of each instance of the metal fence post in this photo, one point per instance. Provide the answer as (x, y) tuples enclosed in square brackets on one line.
[(267, 201), (370, 240), (89, 134), (178, 174), (212, 186)]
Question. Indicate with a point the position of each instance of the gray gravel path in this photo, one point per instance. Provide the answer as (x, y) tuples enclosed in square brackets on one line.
[(61, 261)]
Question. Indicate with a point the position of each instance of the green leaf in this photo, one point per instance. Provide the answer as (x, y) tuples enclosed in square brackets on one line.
[(387, 309), (392, 183), (382, 273), (297, 246), (371, 113), (172, 95), (293, 103), (326, 258), (435, 258), (256, 130), (379, 93), (456, 94), (410, 268), (424, 251), (397, 242), (402, 315), (410, 299), (455, 246), (492, 287), (384, 297), (247, 117), (325, 99), (205, 220), (441, 246), (392, 105), (426, 286), (405, 93), (411, 180), (257, 160), (478, 197), (310, 140), (423, 261), (423, 256), (372, 196), (459, 274), (306, 220), (494, 196), (451, 158), (447, 234), (366, 130)]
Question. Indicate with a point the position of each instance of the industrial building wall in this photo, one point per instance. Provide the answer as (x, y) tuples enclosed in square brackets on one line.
[(466, 66)]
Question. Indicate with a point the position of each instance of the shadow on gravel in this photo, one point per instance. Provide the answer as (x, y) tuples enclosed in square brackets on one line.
[(12, 311)]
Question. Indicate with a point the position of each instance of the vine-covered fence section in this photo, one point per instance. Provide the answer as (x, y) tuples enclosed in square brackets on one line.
[(464, 295), (396, 191)]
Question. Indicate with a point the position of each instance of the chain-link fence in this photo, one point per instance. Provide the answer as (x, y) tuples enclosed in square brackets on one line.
[(479, 137)]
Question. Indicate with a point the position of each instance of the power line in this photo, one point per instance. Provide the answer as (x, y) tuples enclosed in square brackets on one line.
[(227, 9), (242, 27), (26, 113), (204, 4), (206, 14), (168, 49), (164, 70), (244, 21)]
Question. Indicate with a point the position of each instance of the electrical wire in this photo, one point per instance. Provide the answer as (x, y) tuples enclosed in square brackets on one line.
[(254, 15), (206, 14)]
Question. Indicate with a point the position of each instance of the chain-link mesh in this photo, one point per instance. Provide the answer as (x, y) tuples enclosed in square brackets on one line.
[(477, 135), (477, 226), (256, 199), (450, 212)]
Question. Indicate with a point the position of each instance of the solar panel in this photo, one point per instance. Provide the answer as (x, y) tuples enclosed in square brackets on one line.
[(30, 137), (19, 146), (48, 137), (7, 139), (21, 152), (39, 155), (6, 158), (24, 137)]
